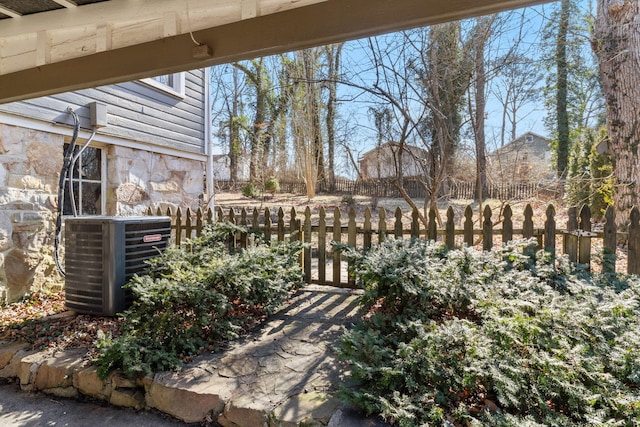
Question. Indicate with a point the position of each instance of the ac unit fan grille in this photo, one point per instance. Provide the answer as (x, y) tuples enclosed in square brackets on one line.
[(103, 253)]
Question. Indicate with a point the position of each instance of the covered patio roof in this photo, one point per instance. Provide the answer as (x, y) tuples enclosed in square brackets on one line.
[(51, 46)]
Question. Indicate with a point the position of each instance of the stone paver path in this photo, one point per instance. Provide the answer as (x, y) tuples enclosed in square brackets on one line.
[(285, 373)]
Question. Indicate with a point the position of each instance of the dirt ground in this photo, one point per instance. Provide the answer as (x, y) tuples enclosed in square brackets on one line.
[(237, 201)]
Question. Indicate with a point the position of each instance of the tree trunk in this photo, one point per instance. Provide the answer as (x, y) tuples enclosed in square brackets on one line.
[(617, 45), (483, 29), (562, 115), (310, 66), (333, 57), (234, 131)]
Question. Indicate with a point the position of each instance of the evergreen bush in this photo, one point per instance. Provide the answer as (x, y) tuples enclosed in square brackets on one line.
[(272, 185), (251, 191), (467, 338), (197, 296)]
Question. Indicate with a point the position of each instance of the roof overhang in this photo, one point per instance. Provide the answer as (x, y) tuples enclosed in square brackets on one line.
[(63, 45)]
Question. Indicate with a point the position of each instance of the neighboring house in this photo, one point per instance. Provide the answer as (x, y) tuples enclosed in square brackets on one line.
[(222, 167), (526, 159), (384, 161), (151, 148)]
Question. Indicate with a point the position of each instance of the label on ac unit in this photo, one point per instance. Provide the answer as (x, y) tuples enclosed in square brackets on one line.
[(149, 238)]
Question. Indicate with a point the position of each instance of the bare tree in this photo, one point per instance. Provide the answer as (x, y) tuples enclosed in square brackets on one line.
[(445, 76), (333, 55), (478, 99), (516, 86), (228, 113)]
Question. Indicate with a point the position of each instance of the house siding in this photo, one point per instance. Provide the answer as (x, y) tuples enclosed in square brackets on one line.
[(382, 162), (521, 160), (135, 112)]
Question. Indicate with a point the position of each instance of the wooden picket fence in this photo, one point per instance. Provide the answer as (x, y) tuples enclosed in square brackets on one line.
[(323, 266)]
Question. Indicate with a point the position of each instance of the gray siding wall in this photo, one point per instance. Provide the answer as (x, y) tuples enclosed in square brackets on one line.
[(135, 111)]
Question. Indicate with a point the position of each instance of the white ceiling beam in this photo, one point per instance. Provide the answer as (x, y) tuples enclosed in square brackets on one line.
[(100, 13), (249, 9), (114, 11), (9, 12), (66, 3), (43, 49), (103, 38), (171, 24)]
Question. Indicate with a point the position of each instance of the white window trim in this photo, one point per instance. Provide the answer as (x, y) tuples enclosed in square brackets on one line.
[(103, 182), (177, 90)]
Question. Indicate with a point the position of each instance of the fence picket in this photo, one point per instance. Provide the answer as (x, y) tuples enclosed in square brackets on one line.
[(550, 231), (468, 226), (609, 240), (633, 263), (322, 246), (199, 222), (351, 240), (280, 225), (432, 232), (255, 220), (243, 221), (188, 228), (450, 229), (398, 225), (267, 224), (527, 224), (487, 229), (415, 226), (335, 253), (584, 240), (382, 225), (507, 224), (178, 227), (366, 229), (307, 240)]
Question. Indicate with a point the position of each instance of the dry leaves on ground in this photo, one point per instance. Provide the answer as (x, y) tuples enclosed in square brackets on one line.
[(43, 322)]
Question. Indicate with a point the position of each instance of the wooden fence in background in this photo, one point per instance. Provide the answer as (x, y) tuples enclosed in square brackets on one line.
[(412, 186), (323, 266)]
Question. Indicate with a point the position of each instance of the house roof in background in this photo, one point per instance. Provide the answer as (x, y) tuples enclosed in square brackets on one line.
[(541, 144), (408, 148), (51, 46)]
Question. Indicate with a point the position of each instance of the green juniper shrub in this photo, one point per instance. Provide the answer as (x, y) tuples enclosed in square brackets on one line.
[(468, 338), (272, 185), (198, 296), (251, 191)]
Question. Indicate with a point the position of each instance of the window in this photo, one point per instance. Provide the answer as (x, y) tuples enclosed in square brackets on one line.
[(173, 84), (529, 138), (88, 183)]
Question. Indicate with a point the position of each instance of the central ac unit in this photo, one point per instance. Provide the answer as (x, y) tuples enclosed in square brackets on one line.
[(103, 253)]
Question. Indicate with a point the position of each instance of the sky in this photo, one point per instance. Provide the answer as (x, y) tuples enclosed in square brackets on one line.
[(523, 26)]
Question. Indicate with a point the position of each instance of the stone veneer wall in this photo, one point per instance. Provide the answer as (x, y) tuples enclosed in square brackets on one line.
[(30, 163)]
